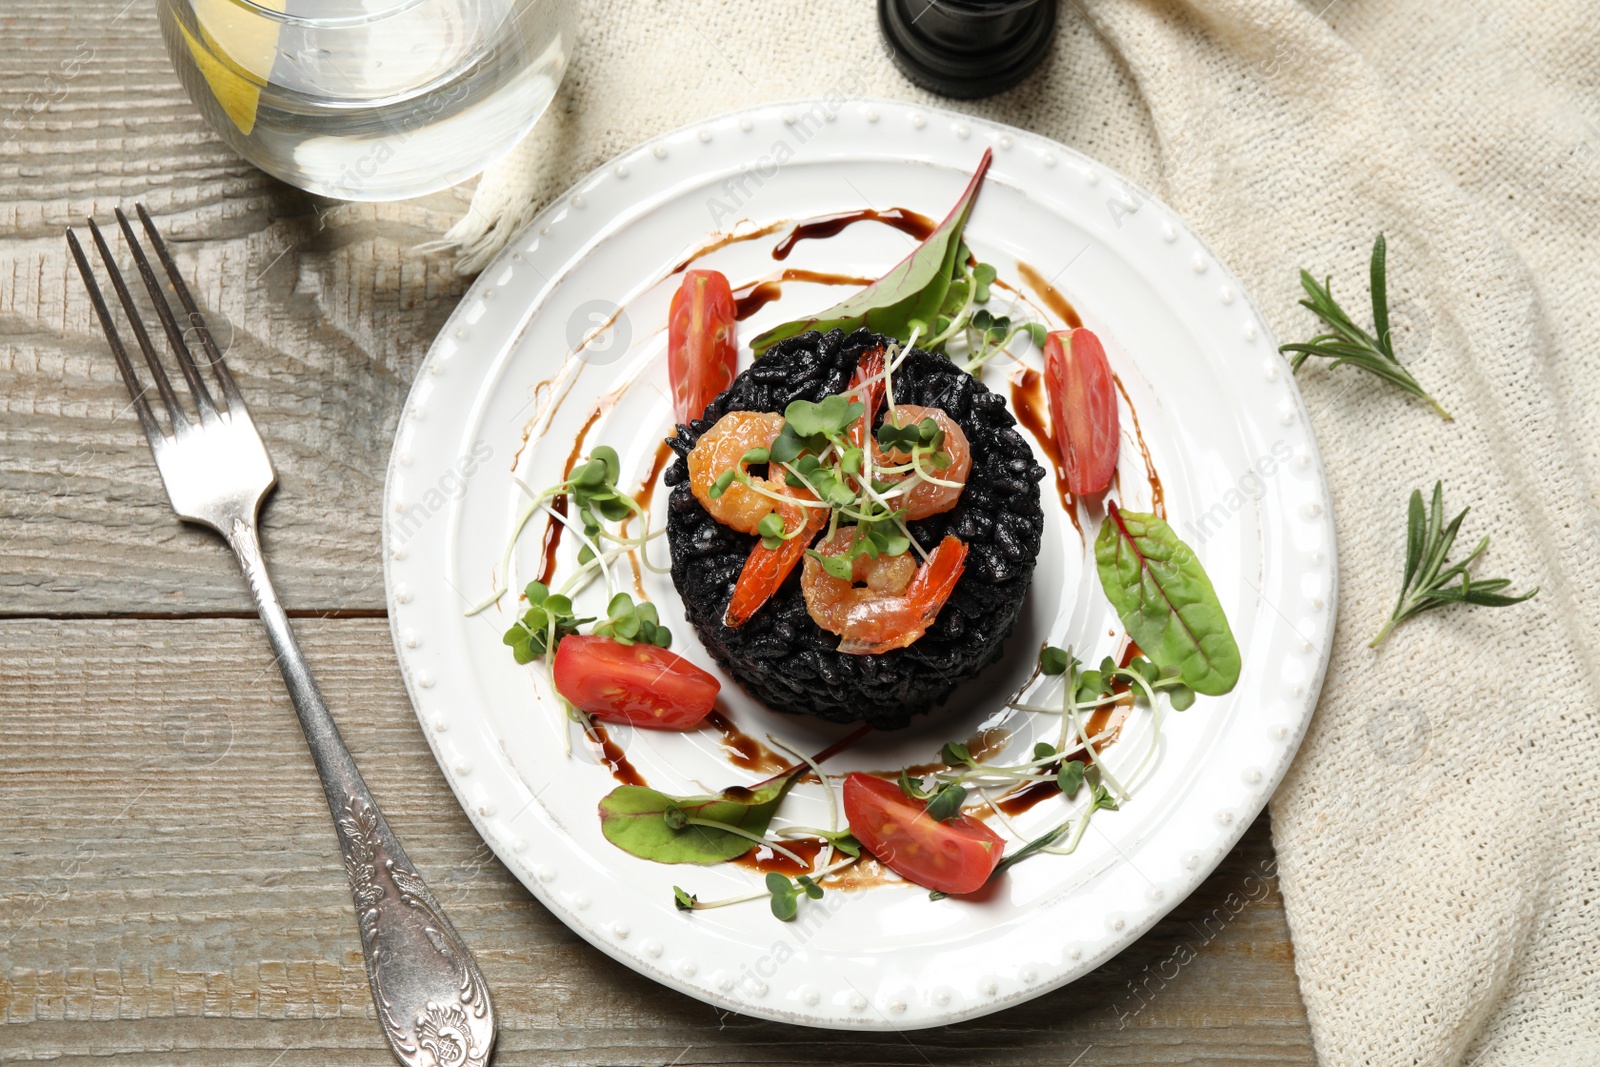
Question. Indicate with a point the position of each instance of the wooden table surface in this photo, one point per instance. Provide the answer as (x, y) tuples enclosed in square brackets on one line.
[(169, 887)]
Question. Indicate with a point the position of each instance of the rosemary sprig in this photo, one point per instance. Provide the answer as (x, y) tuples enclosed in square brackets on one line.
[(1428, 581), (1349, 343)]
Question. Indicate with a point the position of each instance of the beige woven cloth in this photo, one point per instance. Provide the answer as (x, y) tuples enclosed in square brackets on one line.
[(1439, 834)]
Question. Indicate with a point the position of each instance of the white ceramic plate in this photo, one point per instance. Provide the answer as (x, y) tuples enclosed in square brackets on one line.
[(1224, 427)]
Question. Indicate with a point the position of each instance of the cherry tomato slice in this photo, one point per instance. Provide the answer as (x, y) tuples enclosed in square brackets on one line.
[(638, 684), (1083, 408), (702, 353), (953, 857)]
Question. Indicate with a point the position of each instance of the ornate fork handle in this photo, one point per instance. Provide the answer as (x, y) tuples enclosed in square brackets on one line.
[(431, 999)]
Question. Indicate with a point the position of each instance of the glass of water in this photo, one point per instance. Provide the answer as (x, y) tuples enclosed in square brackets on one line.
[(370, 99)]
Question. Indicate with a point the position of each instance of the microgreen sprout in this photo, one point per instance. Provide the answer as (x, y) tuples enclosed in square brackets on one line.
[(592, 490), (818, 423), (834, 838), (956, 755), (784, 893), (548, 619), (595, 500), (843, 840), (912, 787), (962, 326), (945, 805), (992, 334), (1072, 763), (1092, 687), (627, 622)]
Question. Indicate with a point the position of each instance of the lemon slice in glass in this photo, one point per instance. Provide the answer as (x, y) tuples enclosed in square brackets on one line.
[(235, 53)]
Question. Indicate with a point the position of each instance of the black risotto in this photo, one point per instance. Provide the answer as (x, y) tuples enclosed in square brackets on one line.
[(784, 658)]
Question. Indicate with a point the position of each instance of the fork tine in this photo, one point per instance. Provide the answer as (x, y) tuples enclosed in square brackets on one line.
[(146, 419), (196, 320), (180, 421), (180, 347)]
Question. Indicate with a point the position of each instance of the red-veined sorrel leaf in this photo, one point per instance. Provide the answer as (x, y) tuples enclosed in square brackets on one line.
[(914, 290), (1165, 599)]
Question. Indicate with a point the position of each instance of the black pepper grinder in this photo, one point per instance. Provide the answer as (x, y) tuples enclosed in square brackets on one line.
[(967, 48)]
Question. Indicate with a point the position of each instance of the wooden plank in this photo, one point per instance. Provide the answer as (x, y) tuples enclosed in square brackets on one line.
[(325, 311), (171, 893)]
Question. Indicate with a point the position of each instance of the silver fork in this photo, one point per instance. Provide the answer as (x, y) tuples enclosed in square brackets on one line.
[(430, 996)]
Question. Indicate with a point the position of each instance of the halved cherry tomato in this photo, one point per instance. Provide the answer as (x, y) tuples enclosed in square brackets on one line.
[(953, 857), (702, 354), (1083, 408), (639, 684)]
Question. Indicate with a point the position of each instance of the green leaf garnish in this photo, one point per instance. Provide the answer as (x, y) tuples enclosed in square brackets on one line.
[(910, 295), (784, 904), (892, 437), (1145, 669), (891, 542), (982, 277), (541, 628), (682, 900), (955, 755), (911, 787), (838, 566), (786, 894), (771, 525), (626, 623), (1349, 343), (830, 415), (589, 474), (1428, 582), (955, 298), (1053, 660), (844, 841), (608, 456), (946, 803), (1166, 601), (1070, 777), (640, 821), (786, 447)]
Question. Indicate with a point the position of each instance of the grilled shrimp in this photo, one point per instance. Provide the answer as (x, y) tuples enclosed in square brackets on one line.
[(928, 498), (896, 601), (742, 507)]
